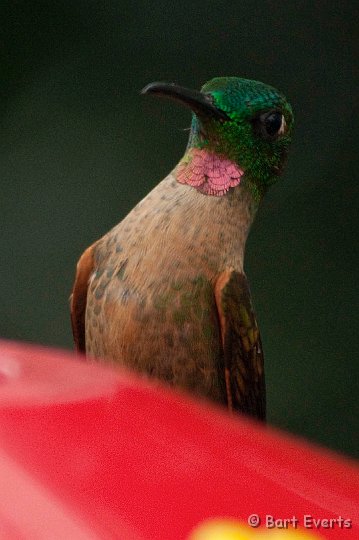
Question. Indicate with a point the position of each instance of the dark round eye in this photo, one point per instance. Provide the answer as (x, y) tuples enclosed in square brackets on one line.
[(273, 122), (270, 124)]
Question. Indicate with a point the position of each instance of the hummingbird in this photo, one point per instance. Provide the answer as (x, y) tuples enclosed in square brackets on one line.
[(164, 292)]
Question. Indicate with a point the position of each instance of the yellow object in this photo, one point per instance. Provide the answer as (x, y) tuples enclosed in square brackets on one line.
[(223, 530), (227, 529)]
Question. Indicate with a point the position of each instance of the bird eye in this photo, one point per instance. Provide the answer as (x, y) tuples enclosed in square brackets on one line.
[(273, 123), (270, 124)]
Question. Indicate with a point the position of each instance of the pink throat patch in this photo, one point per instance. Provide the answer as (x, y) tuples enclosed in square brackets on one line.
[(209, 173)]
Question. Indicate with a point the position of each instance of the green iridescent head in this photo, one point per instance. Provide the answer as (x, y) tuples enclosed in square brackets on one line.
[(245, 121)]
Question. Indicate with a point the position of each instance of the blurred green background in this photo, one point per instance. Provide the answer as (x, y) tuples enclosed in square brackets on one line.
[(80, 146)]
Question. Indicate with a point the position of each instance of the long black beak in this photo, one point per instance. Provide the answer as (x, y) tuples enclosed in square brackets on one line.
[(199, 103)]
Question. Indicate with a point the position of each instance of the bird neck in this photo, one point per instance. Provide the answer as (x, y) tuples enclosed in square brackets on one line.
[(220, 224)]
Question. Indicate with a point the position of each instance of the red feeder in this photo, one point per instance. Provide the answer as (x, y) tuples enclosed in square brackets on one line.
[(87, 452)]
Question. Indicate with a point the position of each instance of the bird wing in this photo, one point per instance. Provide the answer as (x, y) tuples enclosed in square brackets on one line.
[(243, 356), (78, 298)]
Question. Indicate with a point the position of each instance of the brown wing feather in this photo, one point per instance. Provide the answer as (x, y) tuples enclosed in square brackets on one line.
[(243, 356), (78, 298)]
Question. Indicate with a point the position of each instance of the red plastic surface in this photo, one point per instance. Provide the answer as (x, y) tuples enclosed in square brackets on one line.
[(91, 453)]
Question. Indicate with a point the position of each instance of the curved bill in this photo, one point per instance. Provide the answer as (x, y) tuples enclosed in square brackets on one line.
[(199, 103)]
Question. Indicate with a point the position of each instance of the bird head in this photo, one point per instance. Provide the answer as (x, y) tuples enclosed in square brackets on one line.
[(241, 121)]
